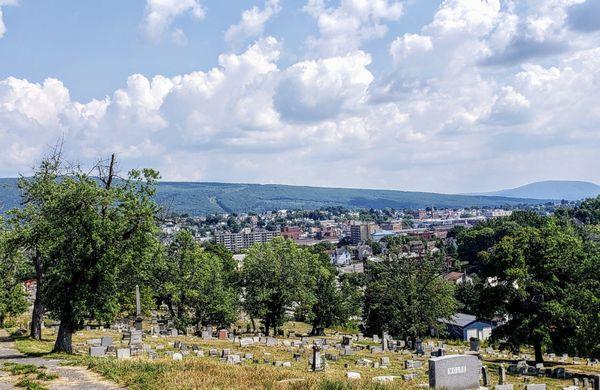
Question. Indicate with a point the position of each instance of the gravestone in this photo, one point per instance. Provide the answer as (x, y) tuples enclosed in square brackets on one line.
[(385, 361), (271, 342), (223, 334), (419, 347), (384, 344), (177, 356), (246, 341), (454, 372), (353, 375), (97, 351), (106, 341), (174, 332), (347, 341), (138, 309), (95, 342), (504, 387), (536, 386), (412, 364), (485, 376), (474, 344), (316, 358), (206, 335), (136, 337), (123, 353), (501, 374), (234, 359)]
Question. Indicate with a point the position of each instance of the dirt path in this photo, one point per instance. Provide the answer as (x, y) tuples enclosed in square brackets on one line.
[(69, 377)]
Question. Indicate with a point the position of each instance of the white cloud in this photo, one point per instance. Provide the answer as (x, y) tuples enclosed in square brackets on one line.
[(160, 14), (442, 118), (344, 28), (252, 23), (408, 44), (321, 89)]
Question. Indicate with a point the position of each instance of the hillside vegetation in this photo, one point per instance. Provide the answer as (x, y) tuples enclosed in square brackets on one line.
[(204, 198)]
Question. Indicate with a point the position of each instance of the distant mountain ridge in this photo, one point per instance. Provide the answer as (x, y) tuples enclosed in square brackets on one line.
[(205, 198), (551, 189)]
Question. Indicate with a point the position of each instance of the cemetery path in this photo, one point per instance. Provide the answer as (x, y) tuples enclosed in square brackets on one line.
[(69, 377)]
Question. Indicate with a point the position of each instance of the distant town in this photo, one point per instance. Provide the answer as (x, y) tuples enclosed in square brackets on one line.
[(351, 236)]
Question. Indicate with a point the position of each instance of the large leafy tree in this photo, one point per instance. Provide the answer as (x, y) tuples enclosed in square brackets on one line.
[(276, 278), (13, 298), (536, 277), (97, 225), (406, 296), (30, 232), (196, 284), (327, 308)]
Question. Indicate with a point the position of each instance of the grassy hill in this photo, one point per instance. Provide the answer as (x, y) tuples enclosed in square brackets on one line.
[(204, 198)]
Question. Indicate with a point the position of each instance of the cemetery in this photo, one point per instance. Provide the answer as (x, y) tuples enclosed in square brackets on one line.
[(150, 354)]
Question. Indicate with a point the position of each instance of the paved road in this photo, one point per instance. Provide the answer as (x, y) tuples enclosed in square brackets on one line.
[(69, 377)]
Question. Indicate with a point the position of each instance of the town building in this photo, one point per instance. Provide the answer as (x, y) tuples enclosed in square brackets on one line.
[(245, 239), (361, 232), (291, 232)]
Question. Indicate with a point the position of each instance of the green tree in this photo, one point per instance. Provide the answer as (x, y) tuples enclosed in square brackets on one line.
[(96, 225), (196, 284), (537, 277), (275, 279), (406, 296), (327, 309), (30, 232), (13, 298)]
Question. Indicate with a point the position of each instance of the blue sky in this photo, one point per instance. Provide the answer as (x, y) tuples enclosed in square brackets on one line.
[(447, 96)]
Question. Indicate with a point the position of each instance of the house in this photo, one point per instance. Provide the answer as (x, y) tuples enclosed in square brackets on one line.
[(465, 326), (458, 277), (363, 251), (341, 257)]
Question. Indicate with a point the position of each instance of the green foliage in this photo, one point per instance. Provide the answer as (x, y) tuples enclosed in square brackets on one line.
[(541, 273), (328, 308), (207, 198), (13, 297), (197, 284), (406, 296), (276, 278)]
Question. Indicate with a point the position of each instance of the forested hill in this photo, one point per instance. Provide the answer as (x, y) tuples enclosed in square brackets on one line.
[(204, 198)]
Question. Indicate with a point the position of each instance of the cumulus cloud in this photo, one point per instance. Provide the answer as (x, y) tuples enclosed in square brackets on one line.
[(440, 118), (252, 23), (160, 14), (321, 89), (409, 44), (342, 29)]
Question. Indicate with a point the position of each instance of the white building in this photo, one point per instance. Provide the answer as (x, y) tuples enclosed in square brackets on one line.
[(466, 326)]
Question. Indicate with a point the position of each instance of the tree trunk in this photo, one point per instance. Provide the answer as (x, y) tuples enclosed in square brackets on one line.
[(1, 320), (37, 315), (64, 338), (539, 357), (253, 324), (267, 327)]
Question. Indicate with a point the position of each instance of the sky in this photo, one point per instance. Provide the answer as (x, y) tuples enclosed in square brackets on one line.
[(447, 96)]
